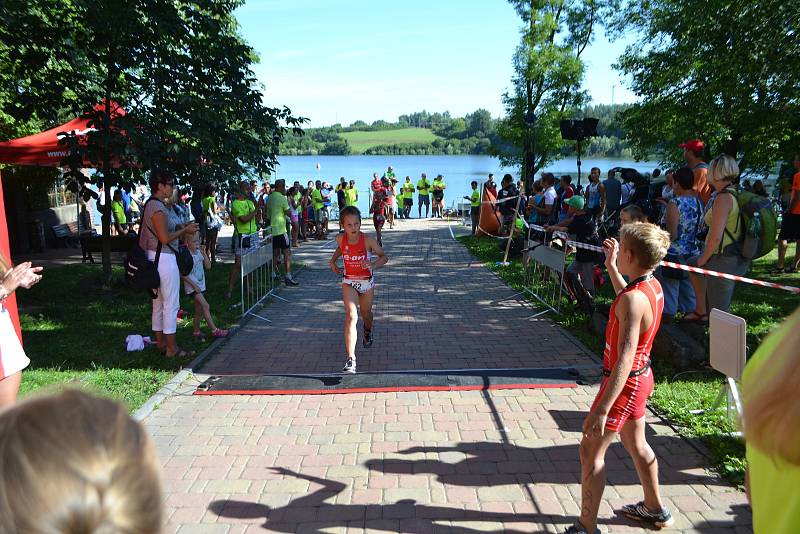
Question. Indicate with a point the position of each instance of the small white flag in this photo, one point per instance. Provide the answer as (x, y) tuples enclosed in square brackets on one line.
[(317, 165)]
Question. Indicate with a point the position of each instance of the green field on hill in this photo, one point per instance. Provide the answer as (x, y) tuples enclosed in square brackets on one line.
[(361, 141)]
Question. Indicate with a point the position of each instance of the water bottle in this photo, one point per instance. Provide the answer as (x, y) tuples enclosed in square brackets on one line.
[(752, 239)]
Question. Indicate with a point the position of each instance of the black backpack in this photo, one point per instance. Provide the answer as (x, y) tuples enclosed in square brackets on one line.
[(140, 272)]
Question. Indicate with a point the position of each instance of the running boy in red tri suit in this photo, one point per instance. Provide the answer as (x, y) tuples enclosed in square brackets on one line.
[(619, 408), (358, 286)]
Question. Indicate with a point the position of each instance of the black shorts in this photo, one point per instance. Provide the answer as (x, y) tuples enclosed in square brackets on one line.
[(408, 202), (790, 227), (280, 242)]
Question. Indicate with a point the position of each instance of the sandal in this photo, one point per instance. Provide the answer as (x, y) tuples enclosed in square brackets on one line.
[(219, 332), (199, 336), (777, 270), (695, 319)]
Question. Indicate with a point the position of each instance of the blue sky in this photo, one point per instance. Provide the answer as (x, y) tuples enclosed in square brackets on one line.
[(346, 60)]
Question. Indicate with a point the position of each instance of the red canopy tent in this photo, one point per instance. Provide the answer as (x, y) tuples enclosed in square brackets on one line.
[(41, 149)]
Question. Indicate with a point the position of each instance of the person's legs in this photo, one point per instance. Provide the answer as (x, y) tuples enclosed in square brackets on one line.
[(198, 315), (419, 208), (205, 309), (686, 298), (593, 476), (350, 299), (719, 291), (644, 459), (670, 288), (237, 265), (587, 275), (783, 246), (365, 305), (698, 282), (9, 386)]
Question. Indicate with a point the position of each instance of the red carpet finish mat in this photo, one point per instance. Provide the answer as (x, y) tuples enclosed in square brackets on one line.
[(439, 380)]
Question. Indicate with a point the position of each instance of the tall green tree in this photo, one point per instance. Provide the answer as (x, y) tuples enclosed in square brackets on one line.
[(179, 68), (546, 85), (726, 72)]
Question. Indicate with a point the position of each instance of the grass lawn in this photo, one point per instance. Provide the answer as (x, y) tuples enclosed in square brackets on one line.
[(361, 141), (676, 394), (74, 332)]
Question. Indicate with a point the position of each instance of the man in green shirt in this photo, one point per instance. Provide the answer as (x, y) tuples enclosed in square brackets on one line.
[(438, 196), (351, 194), (316, 200), (278, 212), (243, 214), (390, 174), (423, 186), (408, 198), (118, 210), (475, 206)]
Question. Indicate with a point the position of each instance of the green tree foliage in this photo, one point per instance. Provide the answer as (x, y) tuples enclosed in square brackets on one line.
[(178, 67), (337, 147), (546, 85), (722, 71)]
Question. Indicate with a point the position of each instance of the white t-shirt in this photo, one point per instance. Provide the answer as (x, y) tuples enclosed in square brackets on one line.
[(198, 274), (550, 196), (627, 189)]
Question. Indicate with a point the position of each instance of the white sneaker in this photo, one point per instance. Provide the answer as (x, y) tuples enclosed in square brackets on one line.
[(350, 366)]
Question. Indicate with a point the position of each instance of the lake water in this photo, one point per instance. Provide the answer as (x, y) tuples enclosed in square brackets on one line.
[(458, 171)]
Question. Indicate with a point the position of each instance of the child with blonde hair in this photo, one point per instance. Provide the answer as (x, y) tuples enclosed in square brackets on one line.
[(73, 463), (619, 408), (195, 286)]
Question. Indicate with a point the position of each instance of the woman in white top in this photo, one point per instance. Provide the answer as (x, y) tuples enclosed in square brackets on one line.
[(158, 226), (12, 357)]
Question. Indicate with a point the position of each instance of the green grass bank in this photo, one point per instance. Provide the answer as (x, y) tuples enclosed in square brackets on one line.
[(361, 141)]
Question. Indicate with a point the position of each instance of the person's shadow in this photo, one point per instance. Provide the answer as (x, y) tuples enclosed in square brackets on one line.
[(492, 463), (313, 511)]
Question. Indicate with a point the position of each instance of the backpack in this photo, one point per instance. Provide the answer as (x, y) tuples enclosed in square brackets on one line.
[(140, 272), (760, 224)]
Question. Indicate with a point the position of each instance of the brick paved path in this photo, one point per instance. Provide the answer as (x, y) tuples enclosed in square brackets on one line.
[(494, 461), (433, 310)]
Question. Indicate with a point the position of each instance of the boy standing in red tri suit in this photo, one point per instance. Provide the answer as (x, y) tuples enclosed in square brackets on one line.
[(619, 408)]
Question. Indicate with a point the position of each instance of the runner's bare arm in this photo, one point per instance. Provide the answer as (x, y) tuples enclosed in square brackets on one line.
[(629, 312), (375, 248), (611, 247)]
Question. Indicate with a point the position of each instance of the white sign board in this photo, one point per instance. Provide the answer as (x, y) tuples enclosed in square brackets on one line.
[(728, 335)]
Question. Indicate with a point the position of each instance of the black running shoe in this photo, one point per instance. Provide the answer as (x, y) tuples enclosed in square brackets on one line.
[(290, 281), (367, 339), (577, 528), (658, 518)]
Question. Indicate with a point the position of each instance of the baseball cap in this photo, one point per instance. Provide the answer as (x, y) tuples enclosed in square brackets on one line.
[(695, 145), (576, 201)]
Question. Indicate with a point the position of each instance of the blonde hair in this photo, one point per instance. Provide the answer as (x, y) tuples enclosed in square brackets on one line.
[(635, 213), (72, 463), (723, 168), (771, 410), (647, 242)]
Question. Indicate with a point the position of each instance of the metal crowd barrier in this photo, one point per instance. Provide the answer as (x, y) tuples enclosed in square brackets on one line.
[(257, 275), (543, 271)]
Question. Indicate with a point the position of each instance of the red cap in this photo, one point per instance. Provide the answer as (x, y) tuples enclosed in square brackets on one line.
[(695, 145)]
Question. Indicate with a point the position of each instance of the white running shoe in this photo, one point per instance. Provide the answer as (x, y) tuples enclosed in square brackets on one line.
[(350, 366)]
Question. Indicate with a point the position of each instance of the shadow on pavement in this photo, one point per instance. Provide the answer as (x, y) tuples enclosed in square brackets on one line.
[(314, 515)]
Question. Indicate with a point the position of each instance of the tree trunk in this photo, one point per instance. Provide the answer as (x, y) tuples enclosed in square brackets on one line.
[(106, 239)]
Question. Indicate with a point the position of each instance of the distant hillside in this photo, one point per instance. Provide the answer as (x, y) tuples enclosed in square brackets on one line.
[(361, 141)]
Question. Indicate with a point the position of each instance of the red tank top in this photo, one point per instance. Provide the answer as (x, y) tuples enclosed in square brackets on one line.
[(655, 296), (354, 256)]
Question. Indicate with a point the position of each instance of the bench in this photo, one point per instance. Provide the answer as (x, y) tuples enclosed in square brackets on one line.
[(66, 234), (94, 243)]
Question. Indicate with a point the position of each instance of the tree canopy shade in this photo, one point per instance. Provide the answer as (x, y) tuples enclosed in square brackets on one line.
[(179, 68), (548, 73), (726, 72)]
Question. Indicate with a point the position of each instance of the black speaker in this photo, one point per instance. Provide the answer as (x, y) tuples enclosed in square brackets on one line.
[(578, 129)]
